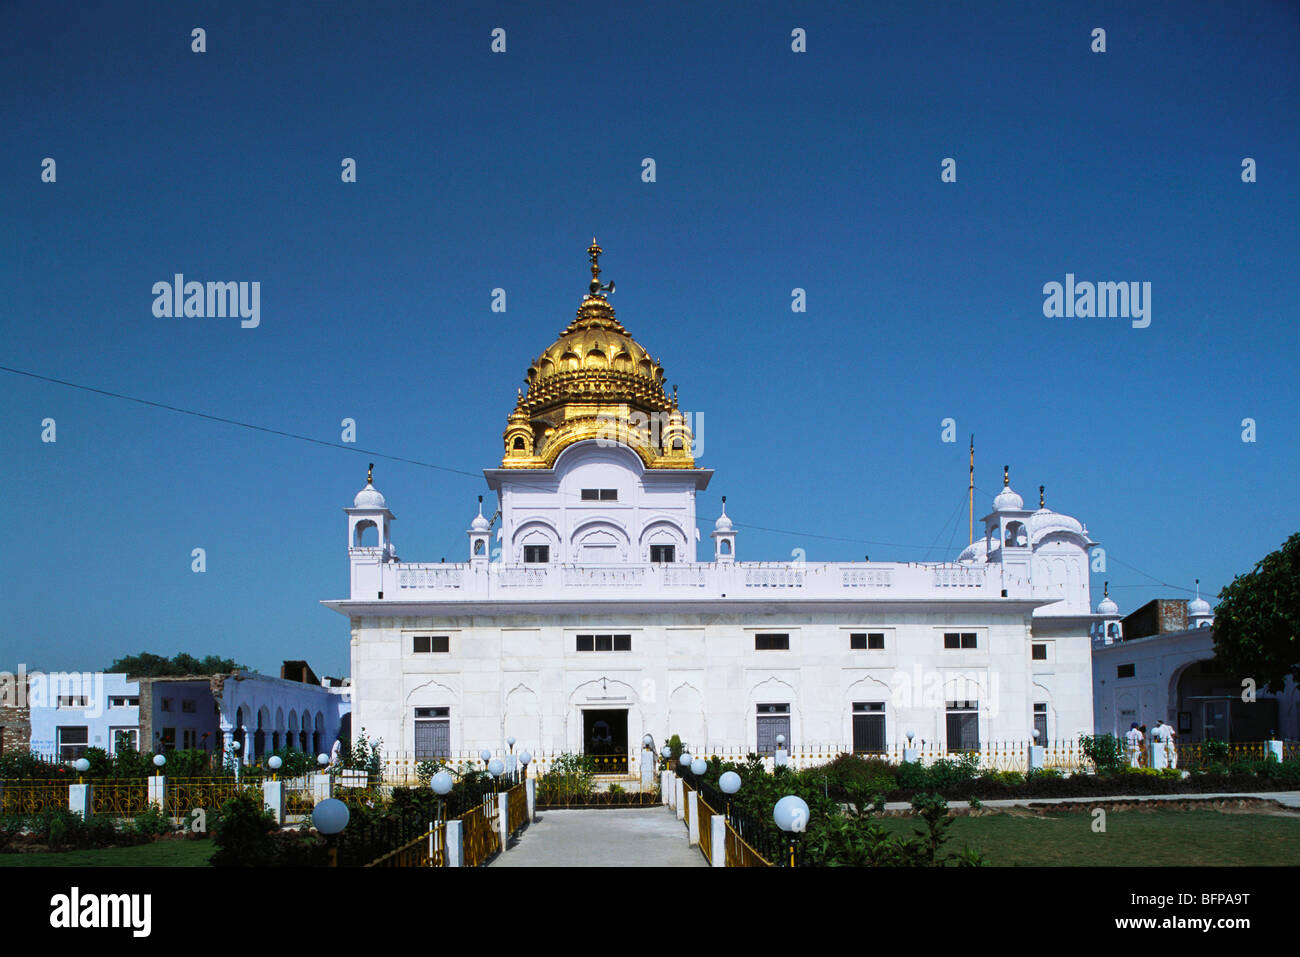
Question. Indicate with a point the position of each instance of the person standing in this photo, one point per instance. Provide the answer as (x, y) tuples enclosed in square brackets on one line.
[(1134, 739)]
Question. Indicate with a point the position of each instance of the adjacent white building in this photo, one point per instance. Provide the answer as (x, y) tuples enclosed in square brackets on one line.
[(1159, 662), (589, 611)]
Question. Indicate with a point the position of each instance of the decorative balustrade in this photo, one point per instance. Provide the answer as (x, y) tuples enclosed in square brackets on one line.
[(499, 581)]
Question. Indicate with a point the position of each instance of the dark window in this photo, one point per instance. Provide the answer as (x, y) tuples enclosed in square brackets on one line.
[(166, 704), (868, 726), (1039, 652), (590, 494), (600, 495), (963, 726), (168, 739), (1040, 722), (519, 442), (72, 742), (432, 733), (609, 495), (604, 643), (431, 643), (773, 720), (421, 644), (1125, 671), (661, 553), (867, 640), (964, 639), (188, 706), (537, 554), (772, 642)]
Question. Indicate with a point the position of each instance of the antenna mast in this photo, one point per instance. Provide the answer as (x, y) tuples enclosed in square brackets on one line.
[(972, 489)]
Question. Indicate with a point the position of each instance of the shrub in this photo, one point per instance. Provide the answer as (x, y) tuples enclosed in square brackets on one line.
[(1215, 752), (911, 775), (151, 822), (243, 834), (1104, 750)]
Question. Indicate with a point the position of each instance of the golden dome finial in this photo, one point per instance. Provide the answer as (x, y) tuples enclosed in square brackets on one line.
[(370, 474), (593, 256), (1040, 496), (1006, 475)]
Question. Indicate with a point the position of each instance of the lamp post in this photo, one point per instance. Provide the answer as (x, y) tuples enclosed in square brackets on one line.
[(791, 816), (158, 761), (730, 784), (441, 784), (330, 817), (273, 762), (667, 754), (82, 766), (495, 768), (699, 766)]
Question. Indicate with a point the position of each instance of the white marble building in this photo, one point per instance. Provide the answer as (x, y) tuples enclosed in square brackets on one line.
[(585, 614)]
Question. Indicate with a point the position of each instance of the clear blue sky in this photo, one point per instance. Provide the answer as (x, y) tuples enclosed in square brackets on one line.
[(775, 170)]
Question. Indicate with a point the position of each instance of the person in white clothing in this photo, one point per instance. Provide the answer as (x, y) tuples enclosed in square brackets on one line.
[(1134, 739)]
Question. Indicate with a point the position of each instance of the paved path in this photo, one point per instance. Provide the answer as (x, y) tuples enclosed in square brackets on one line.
[(603, 837), (1290, 799)]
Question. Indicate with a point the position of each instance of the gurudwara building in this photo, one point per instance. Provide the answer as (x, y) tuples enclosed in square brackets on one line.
[(590, 610)]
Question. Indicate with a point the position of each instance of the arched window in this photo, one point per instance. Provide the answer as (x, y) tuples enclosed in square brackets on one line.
[(519, 443), (726, 547)]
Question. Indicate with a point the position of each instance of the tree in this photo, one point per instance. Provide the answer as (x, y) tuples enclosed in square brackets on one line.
[(1257, 621), (146, 665)]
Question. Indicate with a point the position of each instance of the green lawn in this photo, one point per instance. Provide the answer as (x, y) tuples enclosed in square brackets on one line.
[(1132, 838), (158, 854)]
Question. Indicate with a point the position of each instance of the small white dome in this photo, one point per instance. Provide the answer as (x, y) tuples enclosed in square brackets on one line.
[(976, 551), (369, 497), (723, 524), (1108, 607), (1199, 606), (1008, 501), (480, 524), (1045, 520)]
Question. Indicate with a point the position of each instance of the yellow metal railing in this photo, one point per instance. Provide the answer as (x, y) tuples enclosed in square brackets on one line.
[(186, 794), (33, 797), (706, 814), (480, 836), (740, 854), (119, 798), (516, 807), (427, 850)]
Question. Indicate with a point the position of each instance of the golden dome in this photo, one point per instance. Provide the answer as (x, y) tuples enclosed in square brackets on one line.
[(596, 381)]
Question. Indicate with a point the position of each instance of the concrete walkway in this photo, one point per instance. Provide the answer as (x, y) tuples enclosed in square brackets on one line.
[(1289, 799), (603, 837)]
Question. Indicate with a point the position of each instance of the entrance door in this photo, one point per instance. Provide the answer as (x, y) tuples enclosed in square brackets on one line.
[(604, 737)]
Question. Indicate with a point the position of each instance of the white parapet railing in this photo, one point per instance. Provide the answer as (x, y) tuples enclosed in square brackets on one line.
[(406, 768), (495, 581)]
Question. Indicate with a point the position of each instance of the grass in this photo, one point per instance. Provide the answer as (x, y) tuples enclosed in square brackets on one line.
[(1131, 839), (158, 854)]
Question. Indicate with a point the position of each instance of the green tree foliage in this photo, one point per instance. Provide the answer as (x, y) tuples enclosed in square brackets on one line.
[(147, 665), (1257, 621)]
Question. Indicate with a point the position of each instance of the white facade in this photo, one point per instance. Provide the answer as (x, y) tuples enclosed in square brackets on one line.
[(595, 610)]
